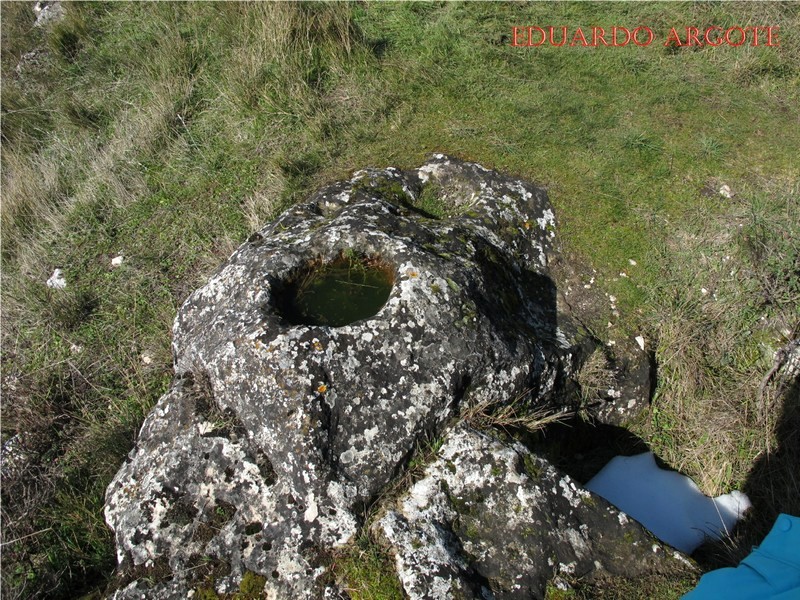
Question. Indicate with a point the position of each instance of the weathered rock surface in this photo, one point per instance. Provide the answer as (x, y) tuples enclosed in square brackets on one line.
[(275, 435), (491, 520), (630, 387), (629, 375)]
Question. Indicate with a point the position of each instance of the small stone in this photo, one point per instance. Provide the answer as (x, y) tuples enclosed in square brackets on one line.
[(116, 261), (57, 280), (28, 59), (704, 291), (632, 262), (47, 12)]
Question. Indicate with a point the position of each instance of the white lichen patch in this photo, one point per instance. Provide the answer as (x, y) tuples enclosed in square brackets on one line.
[(548, 219), (312, 511), (568, 569)]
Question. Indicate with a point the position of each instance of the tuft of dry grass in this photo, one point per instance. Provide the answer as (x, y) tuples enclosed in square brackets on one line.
[(261, 206), (33, 204), (595, 376), (511, 416), (286, 54)]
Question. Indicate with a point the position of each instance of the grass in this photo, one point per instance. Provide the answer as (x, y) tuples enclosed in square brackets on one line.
[(661, 586), (719, 326), (728, 301), (513, 416), (167, 132), (366, 571)]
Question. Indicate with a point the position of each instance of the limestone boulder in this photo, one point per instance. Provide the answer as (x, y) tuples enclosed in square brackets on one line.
[(285, 421)]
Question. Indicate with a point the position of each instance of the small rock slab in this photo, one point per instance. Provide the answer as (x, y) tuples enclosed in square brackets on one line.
[(491, 520)]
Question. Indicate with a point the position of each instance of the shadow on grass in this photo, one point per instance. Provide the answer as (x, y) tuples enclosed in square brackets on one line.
[(773, 487)]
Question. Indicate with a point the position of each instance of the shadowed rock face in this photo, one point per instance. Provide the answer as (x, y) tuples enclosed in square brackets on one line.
[(275, 435)]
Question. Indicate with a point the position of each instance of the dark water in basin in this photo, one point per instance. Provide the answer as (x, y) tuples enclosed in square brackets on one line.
[(339, 293)]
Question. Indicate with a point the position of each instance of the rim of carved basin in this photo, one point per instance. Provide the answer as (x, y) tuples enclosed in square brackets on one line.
[(351, 287)]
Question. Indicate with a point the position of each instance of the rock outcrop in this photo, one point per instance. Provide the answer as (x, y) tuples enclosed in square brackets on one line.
[(287, 417), (491, 520)]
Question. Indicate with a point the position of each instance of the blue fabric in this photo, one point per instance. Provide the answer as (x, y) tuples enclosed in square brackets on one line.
[(770, 572)]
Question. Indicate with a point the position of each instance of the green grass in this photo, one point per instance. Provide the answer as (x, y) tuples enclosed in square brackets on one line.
[(365, 571), (662, 586), (167, 132)]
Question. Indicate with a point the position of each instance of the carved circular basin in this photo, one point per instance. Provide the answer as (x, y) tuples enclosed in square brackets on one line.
[(350, 288)]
